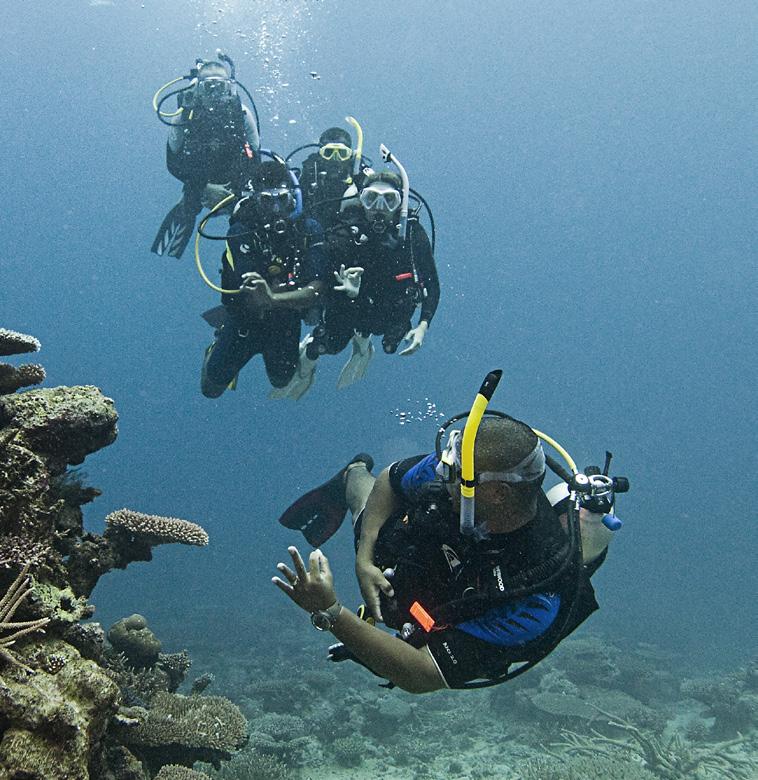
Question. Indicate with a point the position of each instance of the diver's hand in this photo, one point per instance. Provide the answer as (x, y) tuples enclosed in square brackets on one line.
[(372, 581), (416, 337), (256, 291), (311, 590), (349, 280)]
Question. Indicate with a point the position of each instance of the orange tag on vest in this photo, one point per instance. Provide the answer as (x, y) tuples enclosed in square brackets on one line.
[(424, 619)]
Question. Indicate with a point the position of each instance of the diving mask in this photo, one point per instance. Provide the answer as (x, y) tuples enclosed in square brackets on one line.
[(380, 198), (338, 151), (532, 467), (214, 89), (279, 200)]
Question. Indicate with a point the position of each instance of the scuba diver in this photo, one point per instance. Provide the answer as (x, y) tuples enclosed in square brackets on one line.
[(213, 140), (460, 551), (269, 279), (328, 172), (383, 262)]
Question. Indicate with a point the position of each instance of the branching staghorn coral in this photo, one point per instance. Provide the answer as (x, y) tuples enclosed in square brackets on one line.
[(13, 343), (10, 630), (155, 529), (670, 759)]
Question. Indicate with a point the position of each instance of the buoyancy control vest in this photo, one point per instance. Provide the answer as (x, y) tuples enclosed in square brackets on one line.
[(277, 256), (455, 579), (215, 145), (390, 275)]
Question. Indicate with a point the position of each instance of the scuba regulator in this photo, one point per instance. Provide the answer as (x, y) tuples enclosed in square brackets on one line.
[(597, 492)]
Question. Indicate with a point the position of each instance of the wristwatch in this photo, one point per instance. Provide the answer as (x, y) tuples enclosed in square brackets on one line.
[(324, 619)]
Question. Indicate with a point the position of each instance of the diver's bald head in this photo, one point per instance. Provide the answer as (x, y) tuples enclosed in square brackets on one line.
[(501, 443)]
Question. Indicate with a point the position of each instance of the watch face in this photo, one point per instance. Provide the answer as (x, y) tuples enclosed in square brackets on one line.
[(321, 621)]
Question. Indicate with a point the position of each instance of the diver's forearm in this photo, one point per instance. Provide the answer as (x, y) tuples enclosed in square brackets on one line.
[(303, 298), (388, 656)]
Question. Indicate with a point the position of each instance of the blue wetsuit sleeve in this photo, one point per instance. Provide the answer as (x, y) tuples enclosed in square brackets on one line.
[(408, 476)]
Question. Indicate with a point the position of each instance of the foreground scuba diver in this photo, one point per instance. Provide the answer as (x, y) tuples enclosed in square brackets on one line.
[(213, 139), (328, 172), (384, 265), (470, 563), (269, 280)]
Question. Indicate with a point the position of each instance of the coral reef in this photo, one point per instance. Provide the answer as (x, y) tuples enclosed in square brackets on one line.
[(177, 772), (13, 378), (132, 637), (62, 424), (324, 720), (671, 758), (184, 729), (581, 768), (62, 686), (732, 700), (286, 737), (248, 765), (14, 343), (200, 683), (156, 530), (54, 721), (11, 631)]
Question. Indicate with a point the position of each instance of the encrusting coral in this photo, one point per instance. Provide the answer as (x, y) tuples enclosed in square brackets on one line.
[(61, 424), (54, 721), (132, 637)]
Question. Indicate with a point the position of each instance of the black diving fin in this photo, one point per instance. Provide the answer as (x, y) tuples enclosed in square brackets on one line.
[(175, 231), (216, 317), (320, 512)]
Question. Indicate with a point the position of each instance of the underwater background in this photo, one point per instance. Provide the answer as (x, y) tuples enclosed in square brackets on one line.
[(592, 171)]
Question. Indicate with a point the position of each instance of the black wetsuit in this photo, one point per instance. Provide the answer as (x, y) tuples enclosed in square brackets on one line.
[(434, 565), (216, 146), (397, 278), (294, 258)]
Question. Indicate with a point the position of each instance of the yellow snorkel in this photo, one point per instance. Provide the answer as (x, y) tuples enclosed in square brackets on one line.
[(358, 144), (468, 475), (198, 262)]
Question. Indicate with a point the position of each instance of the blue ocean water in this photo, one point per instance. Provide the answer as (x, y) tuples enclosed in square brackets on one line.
[(591, 167)]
